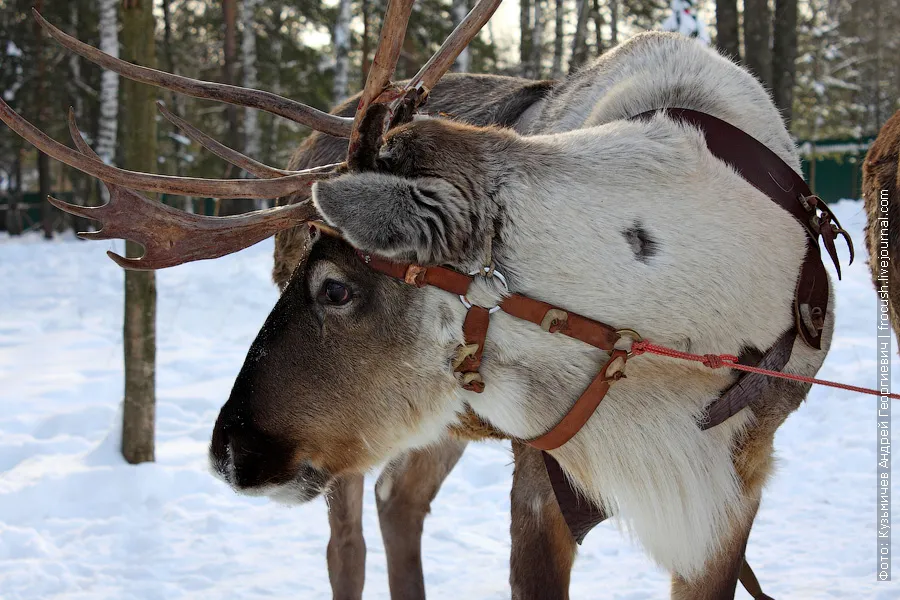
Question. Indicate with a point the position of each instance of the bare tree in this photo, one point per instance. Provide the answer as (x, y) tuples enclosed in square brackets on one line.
[(107, 131), (579, 43), (139, 132), (229, 10), (40, 108), (537, 40), (559, 37), (784, 57), (175, 103), (248, 63), (727, 36), (757, 35), (597, 17), (459, 10), (341, 42), (613, 22), (525, 36)]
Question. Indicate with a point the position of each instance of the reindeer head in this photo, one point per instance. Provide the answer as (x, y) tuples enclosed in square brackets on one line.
[(351, 365)]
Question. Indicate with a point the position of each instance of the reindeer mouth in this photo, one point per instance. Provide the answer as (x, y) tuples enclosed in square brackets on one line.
[(286, 486)]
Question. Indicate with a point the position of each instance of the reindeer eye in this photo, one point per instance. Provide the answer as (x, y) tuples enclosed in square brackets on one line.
[(334, 292)]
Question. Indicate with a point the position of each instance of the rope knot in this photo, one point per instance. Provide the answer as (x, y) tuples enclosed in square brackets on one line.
[(638, 348), (713, 361)]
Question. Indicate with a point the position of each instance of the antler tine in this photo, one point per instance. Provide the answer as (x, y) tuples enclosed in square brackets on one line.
[(267, 101), (222, 151), (219, 188), (171, 237), (390, 43), (456, 42)]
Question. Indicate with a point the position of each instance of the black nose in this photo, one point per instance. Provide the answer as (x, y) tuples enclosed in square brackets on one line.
[(245, 456)]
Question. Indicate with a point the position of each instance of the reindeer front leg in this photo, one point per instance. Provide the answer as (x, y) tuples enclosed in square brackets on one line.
[(403, 495), (346, 553), (753, 460)]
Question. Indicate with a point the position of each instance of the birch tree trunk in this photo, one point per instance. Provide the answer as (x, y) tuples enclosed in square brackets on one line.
[(559, 37), (784, 57), (459, 10), (341, 42), (109, 85), (139, 145), (229, 10), (252, 133), (175, 103)]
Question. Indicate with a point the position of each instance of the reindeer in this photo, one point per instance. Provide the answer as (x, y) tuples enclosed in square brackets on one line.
[(656, 191), (543, 550), (881, 188)]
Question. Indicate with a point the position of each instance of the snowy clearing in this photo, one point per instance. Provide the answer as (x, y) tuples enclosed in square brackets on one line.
[(77, 522)]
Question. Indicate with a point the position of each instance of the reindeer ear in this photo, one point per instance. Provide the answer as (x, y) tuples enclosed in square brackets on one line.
[(423, 220)]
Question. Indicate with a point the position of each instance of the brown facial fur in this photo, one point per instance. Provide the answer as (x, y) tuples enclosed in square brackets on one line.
[(295, 390), (881, 174)]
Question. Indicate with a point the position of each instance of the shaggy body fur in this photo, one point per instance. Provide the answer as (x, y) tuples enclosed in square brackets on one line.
[(555, 210), (542, 548), (881, 186)]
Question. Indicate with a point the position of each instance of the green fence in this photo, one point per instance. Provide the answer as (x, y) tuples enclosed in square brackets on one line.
[(833, 168)]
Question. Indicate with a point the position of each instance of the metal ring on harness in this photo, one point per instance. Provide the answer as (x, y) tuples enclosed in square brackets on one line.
[(486, 272)]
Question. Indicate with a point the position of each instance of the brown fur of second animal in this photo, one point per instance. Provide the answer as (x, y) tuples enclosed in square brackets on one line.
[(881, 184), (543, 550)]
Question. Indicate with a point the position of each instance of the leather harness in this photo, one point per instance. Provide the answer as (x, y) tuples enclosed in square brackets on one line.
[(760, 167)]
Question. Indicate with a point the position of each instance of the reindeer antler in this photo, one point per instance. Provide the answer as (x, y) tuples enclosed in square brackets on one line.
[(267, 101), (168, 235), (171, 237)]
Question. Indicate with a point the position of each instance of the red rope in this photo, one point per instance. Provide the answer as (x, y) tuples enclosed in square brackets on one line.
[(716, 361)]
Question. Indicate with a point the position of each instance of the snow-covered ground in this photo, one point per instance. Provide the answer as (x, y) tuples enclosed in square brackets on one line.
[(77, 522)]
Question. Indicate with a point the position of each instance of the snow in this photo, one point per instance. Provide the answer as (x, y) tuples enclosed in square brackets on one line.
[(76, 522)]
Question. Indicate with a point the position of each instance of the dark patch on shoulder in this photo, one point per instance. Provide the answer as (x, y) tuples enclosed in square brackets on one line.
[(641, 242)]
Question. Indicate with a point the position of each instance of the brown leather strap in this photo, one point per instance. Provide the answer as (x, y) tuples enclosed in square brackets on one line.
[(764, 170), (751, 583), (585, 406), (419, 276), (475, 329), (749, 386), (556, 320), (552, 318), (579, 513)]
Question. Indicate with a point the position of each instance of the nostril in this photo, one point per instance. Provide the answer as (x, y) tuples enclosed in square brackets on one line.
[(220, 455)]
